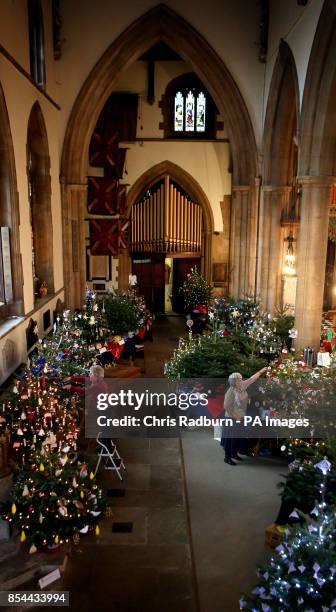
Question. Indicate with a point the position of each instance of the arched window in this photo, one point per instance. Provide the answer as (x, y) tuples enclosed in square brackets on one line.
[(39, 191), (36, 42), (11, 302), (188, 109)]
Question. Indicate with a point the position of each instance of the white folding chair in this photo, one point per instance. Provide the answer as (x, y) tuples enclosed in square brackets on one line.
[(108, 453)]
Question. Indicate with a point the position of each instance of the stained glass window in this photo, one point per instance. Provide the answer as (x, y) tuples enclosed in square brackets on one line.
[(178, 114), (190, 113), (189, 110), (200, 117)]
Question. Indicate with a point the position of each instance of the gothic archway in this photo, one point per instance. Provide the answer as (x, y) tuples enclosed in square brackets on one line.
[(192, 187), (280, 201), (39, 184), (12, 279), (317, 174), (158, 24)]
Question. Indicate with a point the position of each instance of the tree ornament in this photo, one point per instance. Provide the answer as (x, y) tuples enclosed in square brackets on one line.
[(97, 530), (83, 471), (41, 468), (63, 510), (13, 509), (91, 475), (32, 549), (25, 491), (23, 536)]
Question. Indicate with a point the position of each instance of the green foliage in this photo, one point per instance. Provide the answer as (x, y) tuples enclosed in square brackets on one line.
[(301, 486), (124, 311), (212, 356), (195, 290), (283, 322), (246, 317), (302, 574)]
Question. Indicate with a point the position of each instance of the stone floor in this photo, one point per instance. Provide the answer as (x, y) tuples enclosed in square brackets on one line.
[(197, 525), (229, 507), (149, 569)]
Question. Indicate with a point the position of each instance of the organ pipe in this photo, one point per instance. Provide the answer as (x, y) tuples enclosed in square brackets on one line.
[(166, 220)]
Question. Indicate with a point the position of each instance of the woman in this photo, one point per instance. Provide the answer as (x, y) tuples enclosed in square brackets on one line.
[(235, 405)]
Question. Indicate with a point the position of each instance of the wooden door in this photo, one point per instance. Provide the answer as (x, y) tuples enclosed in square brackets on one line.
[(149, 271), (181, 269)]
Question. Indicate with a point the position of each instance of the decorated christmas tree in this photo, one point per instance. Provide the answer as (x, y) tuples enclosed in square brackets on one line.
[(39, 415), (91, 321), (124, 311), (195, 290), (302, 574), (54, 498)]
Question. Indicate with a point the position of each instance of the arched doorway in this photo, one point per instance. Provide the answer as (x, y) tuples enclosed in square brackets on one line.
[(280, 211), (11, 279), (159, 24), (39, 189), (163, 251), (317, 175)]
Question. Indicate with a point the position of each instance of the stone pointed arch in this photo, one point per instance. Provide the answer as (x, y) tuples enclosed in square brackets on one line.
[(191, 186), (280, 149), (183, 178), (38, 168), (160, 24), (318, 120), (10, 212), (317, 173), (282, 119)]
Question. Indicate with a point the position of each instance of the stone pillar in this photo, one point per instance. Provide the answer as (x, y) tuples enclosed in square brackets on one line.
[(239, 241), (311, 258), (252, 238), (270, 247), (124, 268), (74, 243)]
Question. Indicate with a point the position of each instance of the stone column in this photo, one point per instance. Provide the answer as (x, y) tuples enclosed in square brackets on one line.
[(74, 244), (239, 241), (311, 258), (270, 246), (124, 268)]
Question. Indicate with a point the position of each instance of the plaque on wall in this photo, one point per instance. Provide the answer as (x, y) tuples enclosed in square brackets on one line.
[(6, 264), (219, 273)]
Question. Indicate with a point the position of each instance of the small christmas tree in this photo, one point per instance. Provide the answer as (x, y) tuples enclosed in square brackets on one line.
[(54, 498), (195, 290), (39, 415), (124, 311)]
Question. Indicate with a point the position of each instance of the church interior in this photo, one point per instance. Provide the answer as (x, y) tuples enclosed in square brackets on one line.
[(168, 219)]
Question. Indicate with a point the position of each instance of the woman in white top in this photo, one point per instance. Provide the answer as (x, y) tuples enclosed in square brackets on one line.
[(235, 406)]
